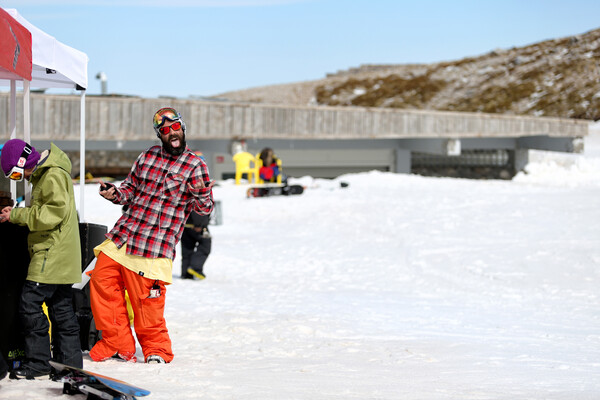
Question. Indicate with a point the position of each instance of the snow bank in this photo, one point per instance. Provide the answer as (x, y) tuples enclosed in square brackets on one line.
[(393, 287)]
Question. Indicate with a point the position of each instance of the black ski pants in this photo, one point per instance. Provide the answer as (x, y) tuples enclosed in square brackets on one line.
[(66, 346), (3, 367), (194, 251)]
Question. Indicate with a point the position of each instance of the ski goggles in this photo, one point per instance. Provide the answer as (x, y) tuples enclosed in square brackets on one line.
[(163, 114), (166, 129), (17, 172)]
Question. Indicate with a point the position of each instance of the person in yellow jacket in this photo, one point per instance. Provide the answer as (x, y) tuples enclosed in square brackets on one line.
[(55, 256)]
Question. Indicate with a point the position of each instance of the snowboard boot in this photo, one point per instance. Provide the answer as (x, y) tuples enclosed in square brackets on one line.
[(154, 359), (26, 372), (129, 357)]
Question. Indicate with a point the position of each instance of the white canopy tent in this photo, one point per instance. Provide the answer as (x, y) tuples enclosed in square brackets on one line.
[(54, 65)]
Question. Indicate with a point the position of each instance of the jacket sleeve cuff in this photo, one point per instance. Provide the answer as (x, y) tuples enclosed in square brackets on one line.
[(118, 197), (202, 192)]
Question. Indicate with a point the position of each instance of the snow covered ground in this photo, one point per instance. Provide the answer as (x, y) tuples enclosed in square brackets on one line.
[(396, 287)]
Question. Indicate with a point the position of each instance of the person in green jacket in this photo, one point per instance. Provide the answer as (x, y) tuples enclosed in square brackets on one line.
[(55, 256)]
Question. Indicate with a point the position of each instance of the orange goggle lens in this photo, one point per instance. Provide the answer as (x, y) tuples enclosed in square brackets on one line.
[(173, 127)]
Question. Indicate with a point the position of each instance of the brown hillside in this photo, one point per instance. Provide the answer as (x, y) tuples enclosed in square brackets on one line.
[(559, 77)]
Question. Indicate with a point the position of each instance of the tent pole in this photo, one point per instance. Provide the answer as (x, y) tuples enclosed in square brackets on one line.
[(13, 130), (82, 158), (27, 133), (13, 109), (26, 112)]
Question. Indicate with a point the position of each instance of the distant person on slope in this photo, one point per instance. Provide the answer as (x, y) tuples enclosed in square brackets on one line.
[(166, 183), (196, 243), (270, 167)]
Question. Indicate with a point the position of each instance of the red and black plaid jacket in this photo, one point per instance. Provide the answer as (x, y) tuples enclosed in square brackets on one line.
[(159, 201)]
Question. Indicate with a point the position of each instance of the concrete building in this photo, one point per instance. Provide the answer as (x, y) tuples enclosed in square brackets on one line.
[(317, 141)]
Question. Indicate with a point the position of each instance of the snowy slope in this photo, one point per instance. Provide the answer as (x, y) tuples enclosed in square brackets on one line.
[(397, 287)]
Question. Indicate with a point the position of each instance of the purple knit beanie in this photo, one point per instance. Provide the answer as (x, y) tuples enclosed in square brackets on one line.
[(11, 152)]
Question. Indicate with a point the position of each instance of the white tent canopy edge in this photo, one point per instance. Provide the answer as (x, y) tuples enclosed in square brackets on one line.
[(55, 65)]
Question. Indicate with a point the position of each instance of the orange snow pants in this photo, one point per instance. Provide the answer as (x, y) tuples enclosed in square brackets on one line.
[(108, 283)]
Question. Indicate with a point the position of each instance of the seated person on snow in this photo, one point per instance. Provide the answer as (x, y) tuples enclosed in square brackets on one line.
[(270, 169)]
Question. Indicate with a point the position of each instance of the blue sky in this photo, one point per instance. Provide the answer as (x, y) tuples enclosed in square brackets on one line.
[(187, 48)]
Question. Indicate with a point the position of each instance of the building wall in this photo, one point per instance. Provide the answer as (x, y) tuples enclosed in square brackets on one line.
[(317, 141)]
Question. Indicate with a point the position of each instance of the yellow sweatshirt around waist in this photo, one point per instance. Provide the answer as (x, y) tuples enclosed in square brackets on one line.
[(151, 268)]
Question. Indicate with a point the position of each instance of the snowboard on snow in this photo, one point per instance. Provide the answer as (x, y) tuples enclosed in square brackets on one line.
[(274, 190), (96, 386)]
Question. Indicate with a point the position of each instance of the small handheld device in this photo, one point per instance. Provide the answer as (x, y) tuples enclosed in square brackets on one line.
[(155, 291)]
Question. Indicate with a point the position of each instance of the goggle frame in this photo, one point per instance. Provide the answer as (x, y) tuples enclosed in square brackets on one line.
[(164, 130)]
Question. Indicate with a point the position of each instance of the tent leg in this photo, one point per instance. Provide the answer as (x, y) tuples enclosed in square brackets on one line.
[(27, 133), (13, 130), (82, 159)]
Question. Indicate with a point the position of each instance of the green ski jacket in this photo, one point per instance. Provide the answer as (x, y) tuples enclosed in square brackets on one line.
[(53, 241)]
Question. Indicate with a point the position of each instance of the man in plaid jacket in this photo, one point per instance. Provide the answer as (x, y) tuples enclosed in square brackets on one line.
[(164, 185)]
